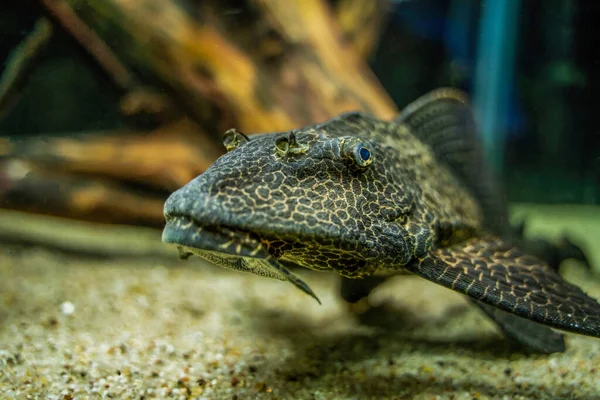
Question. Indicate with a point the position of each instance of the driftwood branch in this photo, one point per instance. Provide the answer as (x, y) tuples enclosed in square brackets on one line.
[(21, 63), (200, 68), (164, 159), (65, 15), (27, 188), (361, 22), (81, 237), (148, 101), (275, 66)]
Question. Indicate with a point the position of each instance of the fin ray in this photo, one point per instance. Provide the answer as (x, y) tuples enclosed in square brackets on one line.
[(531, 335), (443, 120), (502, 276), (287, 275)]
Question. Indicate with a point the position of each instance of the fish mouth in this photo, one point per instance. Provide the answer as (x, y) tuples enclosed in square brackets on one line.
[(185, 231), (229, 248)]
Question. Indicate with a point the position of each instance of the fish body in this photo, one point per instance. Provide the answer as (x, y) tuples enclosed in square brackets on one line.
[(369, 199)]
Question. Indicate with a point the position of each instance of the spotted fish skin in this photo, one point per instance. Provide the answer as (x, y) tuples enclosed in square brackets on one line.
[(319, 210), (365, 197), (490, 270)]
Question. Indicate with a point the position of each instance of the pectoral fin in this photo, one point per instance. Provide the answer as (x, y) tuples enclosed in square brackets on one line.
[(285, 274), (267, 267), (502, 276), (531, 335)]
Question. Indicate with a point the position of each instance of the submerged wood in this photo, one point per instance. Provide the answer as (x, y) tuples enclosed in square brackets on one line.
[(22, 61), (163, 159), (264, 65), (362, 22), (200, 68), (25, 187)]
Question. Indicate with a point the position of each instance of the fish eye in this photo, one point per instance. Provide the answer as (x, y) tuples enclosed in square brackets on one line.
[(361, 154), (233, 138), (365, 154)]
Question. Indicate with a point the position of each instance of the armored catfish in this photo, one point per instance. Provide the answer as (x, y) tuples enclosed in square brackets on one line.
[(369, 199)]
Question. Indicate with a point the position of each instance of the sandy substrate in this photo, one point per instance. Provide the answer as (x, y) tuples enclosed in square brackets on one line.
[(72, 327), (142, 329)]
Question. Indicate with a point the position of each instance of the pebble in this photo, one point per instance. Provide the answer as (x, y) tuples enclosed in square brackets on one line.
[(67, 308)]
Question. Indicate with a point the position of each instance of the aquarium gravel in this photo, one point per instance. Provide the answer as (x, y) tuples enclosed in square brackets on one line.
[(75, 328)]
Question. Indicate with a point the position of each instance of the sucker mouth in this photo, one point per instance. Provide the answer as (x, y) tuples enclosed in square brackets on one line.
[(185, 231), (228, 248)]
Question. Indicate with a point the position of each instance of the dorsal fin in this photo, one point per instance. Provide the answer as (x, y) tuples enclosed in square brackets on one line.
[(443, 120)]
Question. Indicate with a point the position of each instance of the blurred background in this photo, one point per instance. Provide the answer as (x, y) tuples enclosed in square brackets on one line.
[(531, 69), (108, 107)]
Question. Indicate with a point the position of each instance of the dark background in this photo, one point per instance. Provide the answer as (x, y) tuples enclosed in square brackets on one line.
[(552, 141), (552, 145)]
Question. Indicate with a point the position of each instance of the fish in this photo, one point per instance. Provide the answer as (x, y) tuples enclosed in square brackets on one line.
[(369, 199)]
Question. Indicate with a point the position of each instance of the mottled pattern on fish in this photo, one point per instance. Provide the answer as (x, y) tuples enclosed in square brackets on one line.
[(365, 197)]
